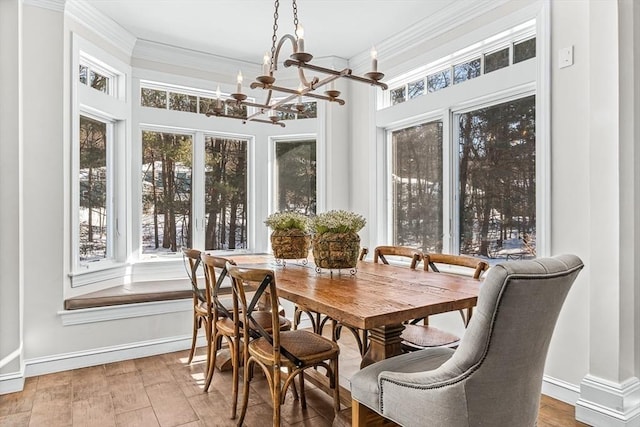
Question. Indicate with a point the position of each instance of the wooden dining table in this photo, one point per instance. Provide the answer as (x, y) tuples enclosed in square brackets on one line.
[(377, 297)]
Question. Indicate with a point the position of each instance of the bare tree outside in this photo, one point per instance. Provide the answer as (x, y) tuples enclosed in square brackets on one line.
[(497, 192), (225, 193), (166, 192), (296, 176), (417, 186), (93, 189)]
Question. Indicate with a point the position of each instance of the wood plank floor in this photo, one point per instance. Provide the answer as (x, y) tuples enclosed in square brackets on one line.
[(164, 391)]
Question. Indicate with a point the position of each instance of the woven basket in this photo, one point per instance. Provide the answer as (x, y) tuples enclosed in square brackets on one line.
[(336, 250), (290, 244)]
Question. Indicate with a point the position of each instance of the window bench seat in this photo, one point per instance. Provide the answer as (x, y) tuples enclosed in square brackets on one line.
[(133, 294)]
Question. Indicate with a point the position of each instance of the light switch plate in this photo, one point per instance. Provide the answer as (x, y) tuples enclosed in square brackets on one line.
[(565, 57)]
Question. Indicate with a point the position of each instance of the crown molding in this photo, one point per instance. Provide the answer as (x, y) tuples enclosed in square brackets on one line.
[(454, 15), (55, 5), (104, 27), (172, 55)]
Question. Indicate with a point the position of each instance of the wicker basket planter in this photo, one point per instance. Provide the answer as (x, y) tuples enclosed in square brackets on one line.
[(290, 244), (336, 250)]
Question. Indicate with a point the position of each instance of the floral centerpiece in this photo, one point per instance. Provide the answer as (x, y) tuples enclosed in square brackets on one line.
[(290, 238), (336, 242)]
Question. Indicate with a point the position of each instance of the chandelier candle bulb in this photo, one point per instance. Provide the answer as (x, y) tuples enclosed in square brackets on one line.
[(265, 65), (239, 80), (218, 97), (374, 60), (300, 34)]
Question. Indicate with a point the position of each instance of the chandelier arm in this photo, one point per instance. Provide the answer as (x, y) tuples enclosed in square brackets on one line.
[(293, 62), (294, 93), (283, 39), (270, 107)]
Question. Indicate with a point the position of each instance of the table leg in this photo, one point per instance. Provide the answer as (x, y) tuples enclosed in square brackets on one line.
[(384, 342)]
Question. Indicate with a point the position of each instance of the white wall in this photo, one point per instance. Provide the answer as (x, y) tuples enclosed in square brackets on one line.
[(593, 172), (11, 264)]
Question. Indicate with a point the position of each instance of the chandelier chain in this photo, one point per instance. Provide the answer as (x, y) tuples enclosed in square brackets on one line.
[(274, 37), (295, 16)]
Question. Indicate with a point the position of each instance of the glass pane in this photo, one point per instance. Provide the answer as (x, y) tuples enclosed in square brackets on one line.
[(284, 115), (99, 82), (310, 110), (206, 104), (93, 212), (496, 60), (153, 98), (296, 176), (235, 110), (524, 50), (417, 186), (466, 71), (183, 102), (225, 193), (497, 147), (166, 192), (416, 88), (439, 80), (83, 74), (398, 95)]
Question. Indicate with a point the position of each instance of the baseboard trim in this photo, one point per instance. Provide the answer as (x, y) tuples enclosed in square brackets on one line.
[(98, 356), (603, 402), (560, 390), (12, 383)]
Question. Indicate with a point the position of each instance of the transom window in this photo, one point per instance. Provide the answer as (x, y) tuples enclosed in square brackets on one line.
[(502, 50)]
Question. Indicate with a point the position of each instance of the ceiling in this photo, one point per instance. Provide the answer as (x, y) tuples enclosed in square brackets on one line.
[(242, 29)]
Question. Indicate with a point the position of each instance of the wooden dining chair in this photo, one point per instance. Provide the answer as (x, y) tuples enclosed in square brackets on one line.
[(215, 272), (228, 323), (419, 336), (381, 253), (474, 264), (201, 301), (272, 350)]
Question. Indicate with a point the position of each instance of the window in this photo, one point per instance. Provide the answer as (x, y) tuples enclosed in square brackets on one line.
[(497, 179), (398, 95), (177, 98), (416, 180), (524, 50), (309, 111), (95, 77), (496, 60), (225, 193), (415, 88), (466, 71), (489, 55), (166, 192), (439, 80), (94, 212), (295, 180), (183, 102), (98, 198)]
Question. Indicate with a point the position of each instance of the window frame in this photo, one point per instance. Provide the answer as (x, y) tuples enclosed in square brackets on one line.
[(529, 78), (273, 172), (113, 109)]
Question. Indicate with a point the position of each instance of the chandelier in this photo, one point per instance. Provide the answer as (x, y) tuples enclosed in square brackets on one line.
[(307, 87)]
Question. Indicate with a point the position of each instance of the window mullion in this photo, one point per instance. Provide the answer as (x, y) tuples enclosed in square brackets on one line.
[(449, 183), (197, 191)]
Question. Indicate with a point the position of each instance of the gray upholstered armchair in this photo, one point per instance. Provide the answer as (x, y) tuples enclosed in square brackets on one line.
[(494, 378)]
